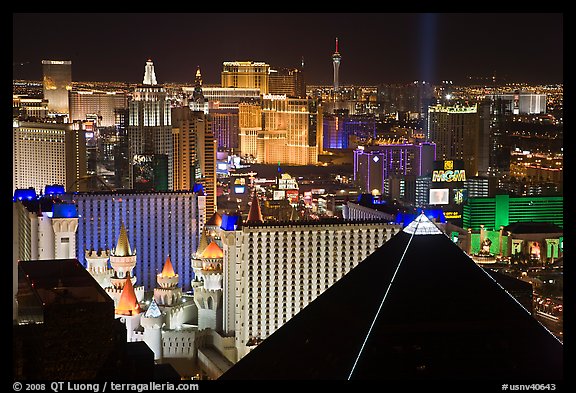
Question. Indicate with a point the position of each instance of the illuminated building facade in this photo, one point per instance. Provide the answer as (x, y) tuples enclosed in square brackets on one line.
[(502, 210), (157, 224), (246, 74), (458, 134), (48, 153), (194, 153), (289, 131), (334, 133), (274, 270), (149, 123), (447, 188), (26, 107), (197, 101), (225, 127), (540, 243), (523, 103), (103, 104), (249, 124), (374, 164), (226, 97), (289, 81), (57, 82)]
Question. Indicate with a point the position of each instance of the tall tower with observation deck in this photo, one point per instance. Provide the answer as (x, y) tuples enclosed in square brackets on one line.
[(336, 57)]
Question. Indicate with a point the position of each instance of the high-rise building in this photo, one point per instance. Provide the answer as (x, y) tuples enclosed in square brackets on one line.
[(477, 186), (48, 153), (274, 270), (334, 134), (158, 224), (57, 82), (336, 58), (197, 101), (121, 150), (523, 103), (225, 127), (457, 132), (289, 81), (103, 104), (149, 125), (502, 210), (246, 74), (25, 108), (289, 131), (423, 185), (249, 124), (374, 164), (194, 154)]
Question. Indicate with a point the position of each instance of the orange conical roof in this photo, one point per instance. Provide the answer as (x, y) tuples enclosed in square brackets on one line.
[(255, 214), (168, 270), (128, 304), (213, 251), (123, 246), (215, 220)]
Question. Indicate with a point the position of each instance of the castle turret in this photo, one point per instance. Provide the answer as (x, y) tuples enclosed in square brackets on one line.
[(208, 297), (168, 292), (128, 309), (152, 322), (123, 261), (97, 266)]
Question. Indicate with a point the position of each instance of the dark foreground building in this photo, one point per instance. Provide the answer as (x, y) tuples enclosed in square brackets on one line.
[(66, 329), (418, 308)]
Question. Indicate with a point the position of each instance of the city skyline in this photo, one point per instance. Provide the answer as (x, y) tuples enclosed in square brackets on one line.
[(375, 48)]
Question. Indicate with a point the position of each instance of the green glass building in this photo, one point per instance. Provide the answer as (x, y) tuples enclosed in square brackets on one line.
[(503, 210)]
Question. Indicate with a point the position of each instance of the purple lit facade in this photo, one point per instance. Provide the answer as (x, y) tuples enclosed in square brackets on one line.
[(374, 164)]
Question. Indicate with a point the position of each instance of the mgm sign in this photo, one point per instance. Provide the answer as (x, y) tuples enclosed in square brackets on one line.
[(449, 173)]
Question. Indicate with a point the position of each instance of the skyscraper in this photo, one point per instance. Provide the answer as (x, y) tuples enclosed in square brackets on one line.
[(197, 101), (336, 57), (457, 131), (374, 164), (289, 131), (247, 74), (289, 81), (149, 124), (194, 153), (57, 82), (48, 153), (249, 124), (100, 103)]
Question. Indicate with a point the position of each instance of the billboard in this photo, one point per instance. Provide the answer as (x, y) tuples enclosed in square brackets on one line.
[(439, 196), (279, 195), (292, 196), (449, 171)]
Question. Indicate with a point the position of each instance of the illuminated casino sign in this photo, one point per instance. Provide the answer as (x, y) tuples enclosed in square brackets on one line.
[(451, 171)]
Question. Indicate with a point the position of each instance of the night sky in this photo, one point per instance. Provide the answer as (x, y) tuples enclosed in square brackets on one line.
[(375, 48)]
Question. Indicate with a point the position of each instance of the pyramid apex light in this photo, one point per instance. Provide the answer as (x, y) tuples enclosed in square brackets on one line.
[(422, 226)]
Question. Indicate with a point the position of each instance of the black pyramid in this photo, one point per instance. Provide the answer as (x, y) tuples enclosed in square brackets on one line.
[(418, 308)]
